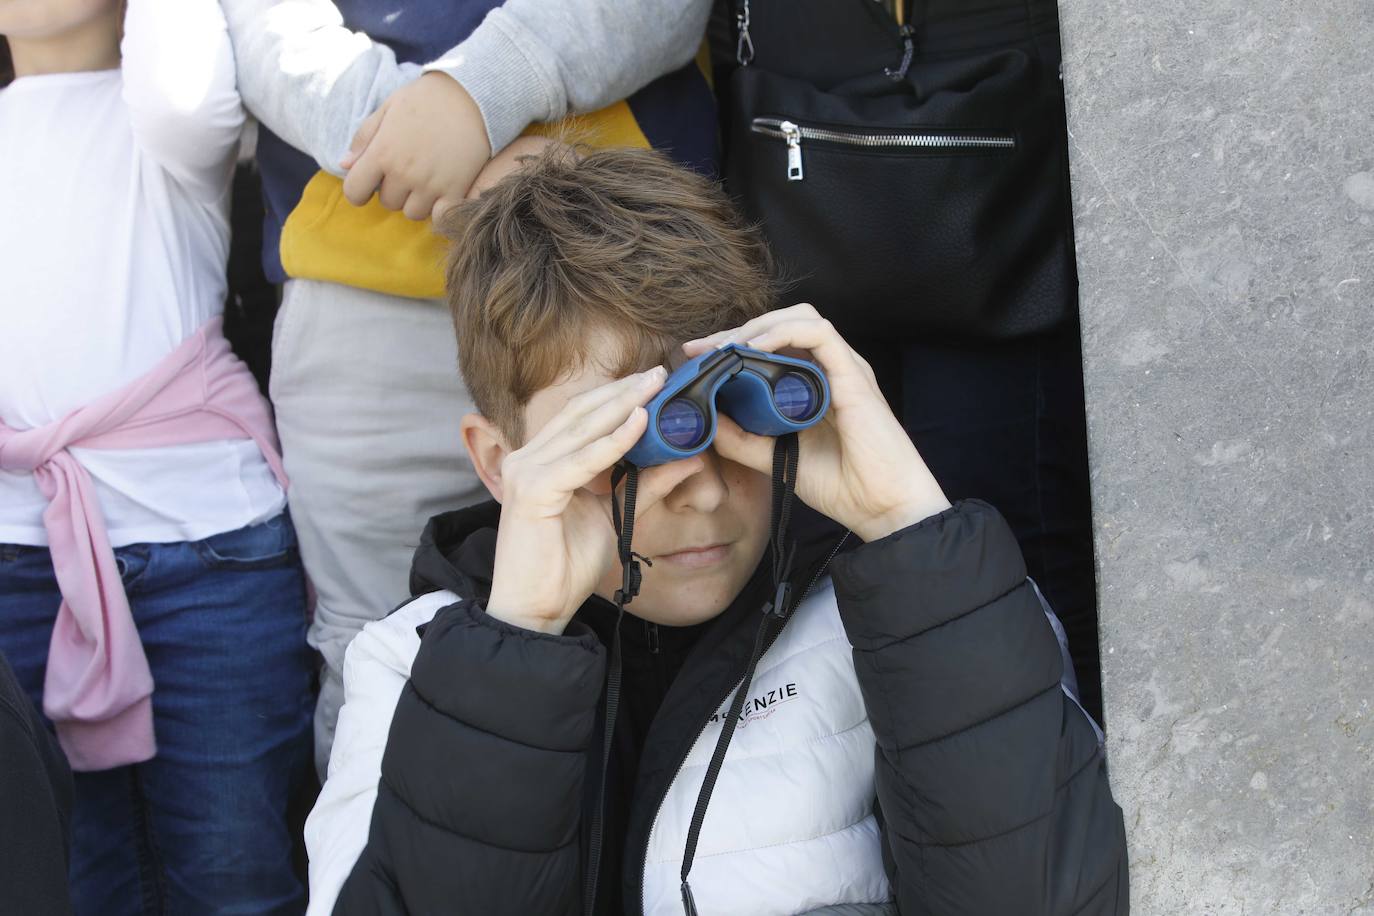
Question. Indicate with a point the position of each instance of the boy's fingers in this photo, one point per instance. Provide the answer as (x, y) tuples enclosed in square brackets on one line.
[(605, 418), (711, 341), (751, 328), (698, 347), (596, 412), (585, 464), (814, 334), (734, 444), (658, 481)]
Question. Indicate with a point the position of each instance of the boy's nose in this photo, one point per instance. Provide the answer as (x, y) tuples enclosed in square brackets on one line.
[(704, 490)]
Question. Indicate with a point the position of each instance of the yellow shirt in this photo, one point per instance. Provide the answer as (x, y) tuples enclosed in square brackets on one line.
[(327, 238)]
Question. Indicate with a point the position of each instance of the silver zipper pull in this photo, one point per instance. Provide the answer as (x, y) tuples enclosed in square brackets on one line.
[(792, 134)]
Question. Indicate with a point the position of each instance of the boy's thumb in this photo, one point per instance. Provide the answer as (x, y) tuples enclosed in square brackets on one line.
[(746, 448), (658, 481)]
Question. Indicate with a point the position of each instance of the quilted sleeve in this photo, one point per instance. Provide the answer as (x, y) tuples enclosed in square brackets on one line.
[(991, 781)]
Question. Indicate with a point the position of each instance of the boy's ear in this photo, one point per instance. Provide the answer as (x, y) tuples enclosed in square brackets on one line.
[(487, 448)]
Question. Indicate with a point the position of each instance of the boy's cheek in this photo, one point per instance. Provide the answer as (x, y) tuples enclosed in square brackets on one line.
[(751, 496)]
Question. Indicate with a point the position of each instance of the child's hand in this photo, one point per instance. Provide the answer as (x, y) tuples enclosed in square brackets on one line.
[(510, 159), (857, 465), (556, 539), (420, 151)]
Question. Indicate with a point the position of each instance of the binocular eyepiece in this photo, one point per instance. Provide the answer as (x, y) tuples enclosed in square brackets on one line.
[(765, 393)]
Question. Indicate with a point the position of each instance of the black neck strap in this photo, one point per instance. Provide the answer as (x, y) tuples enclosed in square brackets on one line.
[(623, 519), (785, 458), (775, 610)]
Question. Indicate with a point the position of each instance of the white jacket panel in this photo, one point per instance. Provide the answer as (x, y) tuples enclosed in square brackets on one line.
[(790, 825), (376, 668)]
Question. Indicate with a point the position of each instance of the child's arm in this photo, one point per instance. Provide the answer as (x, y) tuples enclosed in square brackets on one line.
[(308, 77), (400, 717), (478, 800), (313, 81), (476, 803), (991, 781), (376, 667), (178, 73), (529, 61), (538, 60)]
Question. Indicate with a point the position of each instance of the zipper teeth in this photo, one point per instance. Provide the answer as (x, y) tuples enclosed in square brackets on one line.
[(644, 869), (772, 127)]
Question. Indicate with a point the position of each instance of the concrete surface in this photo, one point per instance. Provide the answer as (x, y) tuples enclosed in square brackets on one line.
[(1223, 165)]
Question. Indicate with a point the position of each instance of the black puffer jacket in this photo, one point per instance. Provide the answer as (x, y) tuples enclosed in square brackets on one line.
[(990, 782), (35, 808)]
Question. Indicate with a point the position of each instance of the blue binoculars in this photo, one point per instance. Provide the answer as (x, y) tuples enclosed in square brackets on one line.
[(765, 393)]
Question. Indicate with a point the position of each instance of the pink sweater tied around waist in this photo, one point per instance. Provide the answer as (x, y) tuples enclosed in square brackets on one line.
[(98, 688)]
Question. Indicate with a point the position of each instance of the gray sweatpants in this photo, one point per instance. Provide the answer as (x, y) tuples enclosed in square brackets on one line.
[(368, 398)]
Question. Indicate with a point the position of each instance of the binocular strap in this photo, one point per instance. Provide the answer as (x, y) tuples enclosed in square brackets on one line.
[(624, 522), (785, 458), (775, 611)]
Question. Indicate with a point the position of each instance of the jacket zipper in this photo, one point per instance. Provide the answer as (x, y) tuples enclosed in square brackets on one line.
[(793, 134), (658, 807)]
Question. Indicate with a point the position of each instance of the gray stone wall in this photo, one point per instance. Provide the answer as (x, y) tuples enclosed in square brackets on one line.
[(1223, 164)]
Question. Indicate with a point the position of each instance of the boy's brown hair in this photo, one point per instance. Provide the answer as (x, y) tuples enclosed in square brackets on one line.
[(580, 243)]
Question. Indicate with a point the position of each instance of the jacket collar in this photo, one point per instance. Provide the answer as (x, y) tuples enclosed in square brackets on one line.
[(457, 552)]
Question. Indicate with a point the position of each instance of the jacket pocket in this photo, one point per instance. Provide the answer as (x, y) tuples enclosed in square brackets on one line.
[(904, 209), (266, 545), (879, 140)]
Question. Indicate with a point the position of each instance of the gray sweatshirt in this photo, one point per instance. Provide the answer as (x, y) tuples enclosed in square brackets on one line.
[(313, 81)]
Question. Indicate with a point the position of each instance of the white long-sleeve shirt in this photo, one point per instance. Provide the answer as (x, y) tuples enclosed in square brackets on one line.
[(114, 233)]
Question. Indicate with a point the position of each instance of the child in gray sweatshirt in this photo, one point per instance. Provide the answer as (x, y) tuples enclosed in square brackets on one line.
[(377, 116)]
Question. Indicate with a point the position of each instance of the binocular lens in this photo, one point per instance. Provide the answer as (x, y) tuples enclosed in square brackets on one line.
[(795, 396), (681, 424)]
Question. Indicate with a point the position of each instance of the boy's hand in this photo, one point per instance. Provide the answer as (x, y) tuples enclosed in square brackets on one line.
[(420, 151), (857, 465), (556, 539)]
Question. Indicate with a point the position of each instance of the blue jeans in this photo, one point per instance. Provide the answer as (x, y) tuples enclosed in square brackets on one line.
[(200, 828)]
